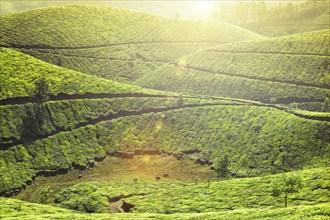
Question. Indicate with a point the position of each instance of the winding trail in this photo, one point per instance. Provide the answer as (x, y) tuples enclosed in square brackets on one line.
[(36, 46), (63, 96)]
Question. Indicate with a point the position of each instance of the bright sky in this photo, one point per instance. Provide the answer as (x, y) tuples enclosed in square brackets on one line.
[(188, 9)]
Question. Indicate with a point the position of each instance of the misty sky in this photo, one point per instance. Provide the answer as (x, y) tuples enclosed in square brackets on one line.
[(187, 9)]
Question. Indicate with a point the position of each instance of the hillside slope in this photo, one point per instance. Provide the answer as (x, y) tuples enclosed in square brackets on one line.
[(16, 209), (258, 140), (19, 72), (177, 197), (98, 117), (291, 69), (248, 198), (112, 43)]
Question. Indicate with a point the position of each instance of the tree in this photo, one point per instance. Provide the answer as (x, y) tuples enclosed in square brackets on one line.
[(180, 101), (177, 15), (44, 194), (40, 93), (286, 185), (326, 105), (196, 180), (221, 166), (41, 90)]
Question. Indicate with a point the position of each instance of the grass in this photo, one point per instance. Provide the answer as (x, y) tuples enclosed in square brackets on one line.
[(248, 198), (179, 197), (118, 170)]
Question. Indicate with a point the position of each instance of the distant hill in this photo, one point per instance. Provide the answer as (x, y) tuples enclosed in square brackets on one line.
[(293, 22), (109, 42), (291, 69), (284, 18)]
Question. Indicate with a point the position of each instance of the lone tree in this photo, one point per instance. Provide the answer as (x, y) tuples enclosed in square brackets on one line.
[(44, 194), (286, 185), (41, 90), (221, 166), (326, 105), (177, 15), (180, 101)]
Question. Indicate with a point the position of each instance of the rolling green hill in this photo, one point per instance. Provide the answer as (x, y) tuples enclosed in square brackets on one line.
[(259, 140), (178, 197), (292, 69), (20, 71), (88, 118), (112, 43), (248, 198), (124, 86)]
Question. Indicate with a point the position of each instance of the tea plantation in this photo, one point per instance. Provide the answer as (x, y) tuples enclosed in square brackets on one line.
[(228, 111), (109, 42), (290, 69)]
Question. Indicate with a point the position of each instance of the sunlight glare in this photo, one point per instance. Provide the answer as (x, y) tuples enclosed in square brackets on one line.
[(205, 6), (146, 158)]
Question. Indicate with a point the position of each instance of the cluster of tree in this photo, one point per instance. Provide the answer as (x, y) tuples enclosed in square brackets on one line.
[(247, 12)]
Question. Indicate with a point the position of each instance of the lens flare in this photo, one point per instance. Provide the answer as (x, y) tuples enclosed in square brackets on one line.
[(205, 5)]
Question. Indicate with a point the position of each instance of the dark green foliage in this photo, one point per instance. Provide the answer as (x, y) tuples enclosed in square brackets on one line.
[(30, 120), (44, 194), (86, 198), (286, 185), (326, 105), (221, 165), (41, 90)]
